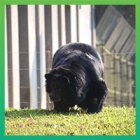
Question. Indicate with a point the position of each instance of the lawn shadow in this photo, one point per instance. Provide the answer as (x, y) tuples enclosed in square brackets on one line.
[(26, 113)]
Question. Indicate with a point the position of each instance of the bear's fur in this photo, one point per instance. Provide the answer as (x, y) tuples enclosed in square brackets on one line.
[(76, 78)]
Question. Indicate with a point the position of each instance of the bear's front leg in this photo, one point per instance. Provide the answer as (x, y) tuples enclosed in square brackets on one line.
[(60, 107)]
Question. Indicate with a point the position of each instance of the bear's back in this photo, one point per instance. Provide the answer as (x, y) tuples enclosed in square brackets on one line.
[(75, 50)]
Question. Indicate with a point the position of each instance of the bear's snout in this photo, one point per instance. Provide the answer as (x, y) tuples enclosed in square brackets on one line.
[(54, 97)]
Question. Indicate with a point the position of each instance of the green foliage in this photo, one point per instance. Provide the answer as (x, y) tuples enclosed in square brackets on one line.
[(111, 121)]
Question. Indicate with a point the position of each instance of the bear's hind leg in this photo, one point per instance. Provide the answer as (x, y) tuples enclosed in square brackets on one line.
[(95, 101), (94, 105)]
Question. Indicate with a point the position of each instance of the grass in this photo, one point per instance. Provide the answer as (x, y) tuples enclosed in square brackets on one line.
[(111, 121)]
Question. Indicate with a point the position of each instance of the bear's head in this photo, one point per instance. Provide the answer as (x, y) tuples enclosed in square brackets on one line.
[(59, 85)]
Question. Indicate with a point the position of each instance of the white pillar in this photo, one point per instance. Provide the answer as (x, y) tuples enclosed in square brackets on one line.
[(42, 55), (54, 12), (15, 56), (73, 23), (85, 24), (32, 56), (63, 26)]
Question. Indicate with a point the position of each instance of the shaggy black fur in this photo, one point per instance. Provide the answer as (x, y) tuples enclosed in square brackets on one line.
[(76, 78)]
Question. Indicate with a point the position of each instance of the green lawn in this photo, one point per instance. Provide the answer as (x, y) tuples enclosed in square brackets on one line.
[(111, 121)]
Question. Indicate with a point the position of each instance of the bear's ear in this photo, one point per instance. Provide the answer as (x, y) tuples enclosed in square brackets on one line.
[(48, 76), (65, 78)]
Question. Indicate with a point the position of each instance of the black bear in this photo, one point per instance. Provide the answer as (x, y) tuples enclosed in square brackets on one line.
[(76, 78)]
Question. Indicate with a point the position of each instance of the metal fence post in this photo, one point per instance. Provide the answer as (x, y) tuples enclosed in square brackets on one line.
[(120, 80), (113, 71)]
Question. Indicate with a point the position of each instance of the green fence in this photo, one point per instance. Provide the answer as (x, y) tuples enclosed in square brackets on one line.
[(119, 75)]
